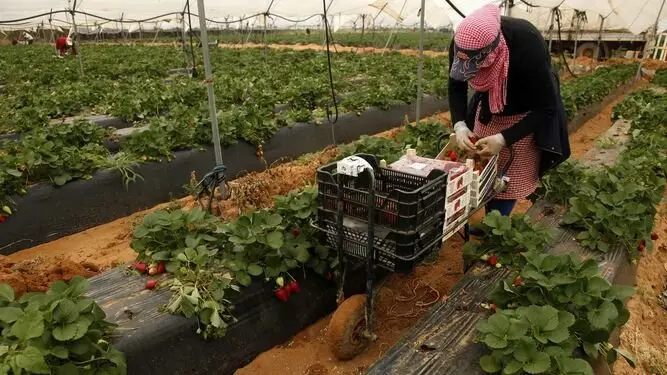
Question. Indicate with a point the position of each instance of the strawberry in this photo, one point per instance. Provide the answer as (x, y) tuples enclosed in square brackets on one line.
[(2, 218), (517, 281), (473, 139), (493, 260), (282, 294), (280, 281), (294, 287), (161, 268), (150, 284), (493, 307), (654, 236), (452, 155), (140, 267), (642, 246), (296, 232)]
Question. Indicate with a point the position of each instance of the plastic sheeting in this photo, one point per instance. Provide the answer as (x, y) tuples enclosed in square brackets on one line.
[(635, 16)]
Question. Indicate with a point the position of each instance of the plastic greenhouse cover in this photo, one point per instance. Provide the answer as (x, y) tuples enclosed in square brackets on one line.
[(635, 16)]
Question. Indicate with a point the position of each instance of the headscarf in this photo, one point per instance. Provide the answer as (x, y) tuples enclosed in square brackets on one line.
[(481, 52)]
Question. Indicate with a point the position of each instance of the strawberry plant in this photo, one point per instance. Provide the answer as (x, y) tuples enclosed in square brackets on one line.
[(560, 184), (60, 331), (424, 137), (203, 294), (506, 238), (383, 148), (616, 205), (531, 340), (569, 284), (180, 238)]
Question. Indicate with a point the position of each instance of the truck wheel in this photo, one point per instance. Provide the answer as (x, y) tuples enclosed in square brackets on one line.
[(588, 49), (346, 327)]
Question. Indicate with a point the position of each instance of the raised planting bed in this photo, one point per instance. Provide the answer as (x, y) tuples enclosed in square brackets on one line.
[(47, 212), (445, 340), (103, 121)]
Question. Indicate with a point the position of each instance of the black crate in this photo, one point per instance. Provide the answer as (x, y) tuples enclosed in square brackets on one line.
[(396, 251), (403, 201)]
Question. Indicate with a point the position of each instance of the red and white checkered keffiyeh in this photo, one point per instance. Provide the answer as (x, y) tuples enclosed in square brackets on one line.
[(477, 31)]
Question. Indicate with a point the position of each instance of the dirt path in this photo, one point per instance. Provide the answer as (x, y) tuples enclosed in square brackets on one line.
[(308, 352), (645, 335)]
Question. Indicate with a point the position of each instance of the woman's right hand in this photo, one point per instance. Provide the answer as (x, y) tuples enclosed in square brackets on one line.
[(463, 135)]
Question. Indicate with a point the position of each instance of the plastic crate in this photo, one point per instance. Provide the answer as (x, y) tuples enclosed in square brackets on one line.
[(403, 201), (396, 251)]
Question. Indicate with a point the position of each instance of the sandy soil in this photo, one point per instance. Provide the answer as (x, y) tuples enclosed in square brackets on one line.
[(645, 335)]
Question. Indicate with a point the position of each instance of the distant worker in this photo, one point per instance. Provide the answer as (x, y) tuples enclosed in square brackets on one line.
[(28, 38), (63, 44), (516, 112)]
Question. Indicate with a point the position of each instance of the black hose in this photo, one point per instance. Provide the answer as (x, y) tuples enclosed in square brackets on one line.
[(455, 8), (331, 84), (192, 47)]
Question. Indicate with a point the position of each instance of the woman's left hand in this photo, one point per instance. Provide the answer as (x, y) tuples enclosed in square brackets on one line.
[(491, 145)]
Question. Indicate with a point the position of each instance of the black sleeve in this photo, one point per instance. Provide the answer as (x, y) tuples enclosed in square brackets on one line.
[(534, 66), (457, 94)]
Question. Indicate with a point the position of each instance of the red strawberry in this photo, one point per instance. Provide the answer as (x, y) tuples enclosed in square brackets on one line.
[(150, 284), (453, 156), (642, 246), (493, 260), (296, 232), (282, 294), (140, 267), (161, 268), (2, 218), (294, 287), (654, 236), (493, 307), (517, 281), (473, 139)]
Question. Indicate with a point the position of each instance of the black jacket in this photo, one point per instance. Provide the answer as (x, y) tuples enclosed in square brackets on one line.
[(532, 86)]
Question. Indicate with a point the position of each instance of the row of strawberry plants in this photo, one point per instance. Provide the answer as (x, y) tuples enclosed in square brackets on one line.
[(593, 88), (558, 310), (244, 79)]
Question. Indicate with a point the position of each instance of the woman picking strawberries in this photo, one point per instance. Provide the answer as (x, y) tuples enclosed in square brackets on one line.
[(516, 110)]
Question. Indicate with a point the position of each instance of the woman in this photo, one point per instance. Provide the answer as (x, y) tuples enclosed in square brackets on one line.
[(516, 110)]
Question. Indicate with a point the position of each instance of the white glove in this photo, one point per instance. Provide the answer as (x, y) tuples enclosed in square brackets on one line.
[(463, 135), (490, 145)]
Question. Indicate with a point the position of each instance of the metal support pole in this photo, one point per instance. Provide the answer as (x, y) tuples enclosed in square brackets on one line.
[(650, 43), (551, 28), (597, 48), (420, 65), (266, 45), (74, 40), (209, 84), (391, 34)]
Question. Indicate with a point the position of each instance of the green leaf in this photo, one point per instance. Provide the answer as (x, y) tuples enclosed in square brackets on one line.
[(489, 364), (559, 335), (60, 352), (273, 220), (597, 285), (6, 293), (628, 357), (243, 278), (576, 366), (61, 179), (255, 269), (512, 367), (621, 292), (499, 323), (275, 239), (72, 331), (65, 311), (32, 360), (10, 314), (603, 315), (570, 218), (302, 255), (29, 326), (495, 342), (590, 349), (538, 364)]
